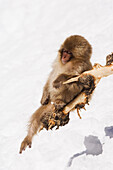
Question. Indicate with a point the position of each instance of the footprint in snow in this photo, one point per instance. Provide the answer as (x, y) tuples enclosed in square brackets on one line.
[(93, 147)]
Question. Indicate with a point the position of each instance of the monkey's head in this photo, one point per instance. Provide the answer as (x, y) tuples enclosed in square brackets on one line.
[(75, 47)]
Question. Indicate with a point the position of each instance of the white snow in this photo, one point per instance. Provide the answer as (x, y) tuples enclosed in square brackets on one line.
[(31, 32)]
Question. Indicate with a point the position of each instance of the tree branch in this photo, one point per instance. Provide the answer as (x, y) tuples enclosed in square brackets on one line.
[(97, 72)]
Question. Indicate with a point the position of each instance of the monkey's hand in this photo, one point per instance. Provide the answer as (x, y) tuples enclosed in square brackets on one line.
[(45, 98), (26, 142), (59, 105), (87, 81), (109, 59)]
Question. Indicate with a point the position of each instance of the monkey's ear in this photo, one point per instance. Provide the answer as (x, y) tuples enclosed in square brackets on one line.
[(61, 48)]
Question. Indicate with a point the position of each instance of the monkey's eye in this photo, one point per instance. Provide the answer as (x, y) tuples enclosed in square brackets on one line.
[(65, 51), (69, 52)]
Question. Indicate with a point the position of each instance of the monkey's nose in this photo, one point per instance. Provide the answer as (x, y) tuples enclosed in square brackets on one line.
[(64, 55)]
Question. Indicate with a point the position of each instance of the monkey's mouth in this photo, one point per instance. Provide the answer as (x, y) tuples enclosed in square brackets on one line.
[(65, 60)]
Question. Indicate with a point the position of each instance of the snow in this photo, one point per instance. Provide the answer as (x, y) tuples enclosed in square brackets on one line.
[(31, 33)]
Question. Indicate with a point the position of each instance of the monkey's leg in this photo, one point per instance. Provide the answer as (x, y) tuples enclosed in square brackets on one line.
[(66, 94), (32, 130), (34, 125)]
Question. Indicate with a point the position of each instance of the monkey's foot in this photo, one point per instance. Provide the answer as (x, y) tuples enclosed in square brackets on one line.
[(109, 59), (59, 105), (26, 142)]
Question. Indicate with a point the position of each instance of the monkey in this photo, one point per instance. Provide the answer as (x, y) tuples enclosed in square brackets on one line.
[(73, 59)]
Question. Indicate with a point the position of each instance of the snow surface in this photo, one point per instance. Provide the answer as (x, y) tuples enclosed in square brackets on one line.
[(31, 32)]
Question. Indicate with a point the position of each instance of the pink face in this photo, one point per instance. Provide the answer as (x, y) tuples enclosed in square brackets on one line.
[(66, 56)]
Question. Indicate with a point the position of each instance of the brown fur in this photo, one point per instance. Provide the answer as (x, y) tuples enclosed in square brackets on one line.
[(54, 90), (35, 124), (80, 62)]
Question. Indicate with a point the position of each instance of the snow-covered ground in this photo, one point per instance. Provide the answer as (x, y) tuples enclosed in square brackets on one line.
[(31, 32)]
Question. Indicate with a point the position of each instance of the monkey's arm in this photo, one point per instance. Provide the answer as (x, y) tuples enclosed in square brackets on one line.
[(58, 82), (45, 96)]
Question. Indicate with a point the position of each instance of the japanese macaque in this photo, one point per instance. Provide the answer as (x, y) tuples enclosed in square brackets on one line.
[(73, 59)]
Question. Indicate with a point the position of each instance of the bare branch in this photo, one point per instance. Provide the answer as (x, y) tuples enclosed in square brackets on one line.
[(97, 72)]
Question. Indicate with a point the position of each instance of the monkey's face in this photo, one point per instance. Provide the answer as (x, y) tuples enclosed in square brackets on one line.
[(76, 47), (65, 56)]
